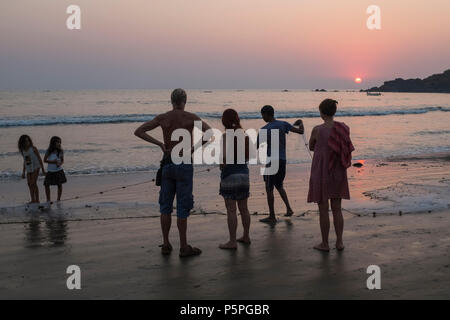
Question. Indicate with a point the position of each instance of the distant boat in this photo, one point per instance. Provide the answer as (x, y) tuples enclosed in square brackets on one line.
[(285, 90), (373, 93)]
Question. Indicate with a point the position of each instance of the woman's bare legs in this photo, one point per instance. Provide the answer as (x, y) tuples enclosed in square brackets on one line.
[(47, 192), (232, 224), (32, 185), (245, 217), (338, 221), (36, 188), (60, 188), (324, 226)]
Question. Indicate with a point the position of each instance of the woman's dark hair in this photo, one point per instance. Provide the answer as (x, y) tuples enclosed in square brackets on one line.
[(52, 146), (328, 107), (230, 119), (22, 140)]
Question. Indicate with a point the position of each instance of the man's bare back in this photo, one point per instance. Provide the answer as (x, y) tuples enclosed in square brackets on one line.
[(169, 122), (176, 180), (173, 120)]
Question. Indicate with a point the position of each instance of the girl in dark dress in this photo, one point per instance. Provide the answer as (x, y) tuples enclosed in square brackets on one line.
[(55, 173)]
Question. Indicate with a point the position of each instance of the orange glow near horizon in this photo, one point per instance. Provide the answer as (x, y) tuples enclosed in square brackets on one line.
[(220, 44)]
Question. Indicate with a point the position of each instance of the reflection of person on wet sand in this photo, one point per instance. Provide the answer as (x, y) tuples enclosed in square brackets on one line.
[(332, 148), (33, 234), (56, 233)]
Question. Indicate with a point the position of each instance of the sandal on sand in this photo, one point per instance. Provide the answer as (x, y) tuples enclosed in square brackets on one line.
[(166, 249), (189, 251)]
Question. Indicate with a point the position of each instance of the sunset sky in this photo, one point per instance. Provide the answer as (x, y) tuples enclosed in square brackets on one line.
[(220, 44)]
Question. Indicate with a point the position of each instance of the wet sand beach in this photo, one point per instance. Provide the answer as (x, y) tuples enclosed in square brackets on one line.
[(113, 237), (96, 96), (120, 259)]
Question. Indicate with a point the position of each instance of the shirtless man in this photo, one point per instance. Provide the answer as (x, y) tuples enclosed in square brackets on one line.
[(176, 179)]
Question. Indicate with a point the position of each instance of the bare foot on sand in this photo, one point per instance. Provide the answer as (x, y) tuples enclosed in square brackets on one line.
[(322, 247), (340, 246), (271, 220), (230, 245), (244, 240), (189, 251), (289, 213)]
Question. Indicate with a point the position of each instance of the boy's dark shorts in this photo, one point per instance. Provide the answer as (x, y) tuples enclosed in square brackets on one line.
[(176, 179), (277, 179)]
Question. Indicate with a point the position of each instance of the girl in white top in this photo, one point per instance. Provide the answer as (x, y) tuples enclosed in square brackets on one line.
[(55, 174), (32, 163)]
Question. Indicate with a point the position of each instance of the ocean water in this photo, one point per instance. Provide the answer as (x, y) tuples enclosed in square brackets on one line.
[(96, 126)]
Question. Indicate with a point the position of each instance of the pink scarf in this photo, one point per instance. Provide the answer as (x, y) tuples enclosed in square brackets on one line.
[(340, 145)]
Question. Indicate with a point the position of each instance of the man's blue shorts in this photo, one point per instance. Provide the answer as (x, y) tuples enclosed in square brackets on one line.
[(176, 180)]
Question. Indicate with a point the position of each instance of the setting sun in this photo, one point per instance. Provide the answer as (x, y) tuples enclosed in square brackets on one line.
[(358, 80)]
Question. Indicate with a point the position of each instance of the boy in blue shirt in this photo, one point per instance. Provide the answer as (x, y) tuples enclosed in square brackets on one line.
[(276, 180)]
